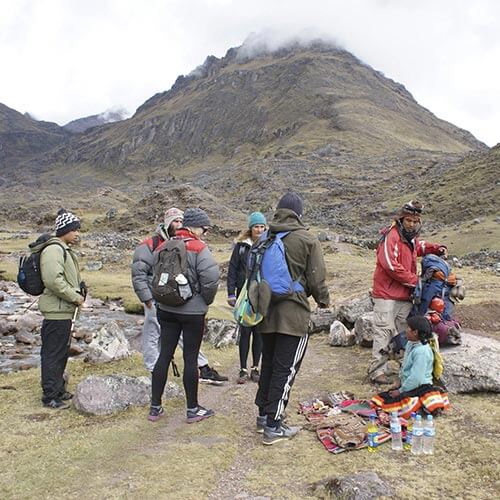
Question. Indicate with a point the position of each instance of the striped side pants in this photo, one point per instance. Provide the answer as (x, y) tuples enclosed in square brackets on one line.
[(281, 359)]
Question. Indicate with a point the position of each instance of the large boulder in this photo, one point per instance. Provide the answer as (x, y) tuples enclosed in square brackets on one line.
[(221, 332), (473, 366), (350, 311), (109, 344), (103, 395), (340, 335), (364, 328), (321, 319), (27, 321)]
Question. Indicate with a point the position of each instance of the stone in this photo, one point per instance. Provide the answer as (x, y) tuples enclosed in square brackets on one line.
[(111, 213), (75, 349), (472, 366), (24, 337), (104, 395), (364, 328), (109, 344), (360, 486), (350, 311), (322, 236), (321, 319), (93, 265), (28, 321), (6, 327), (340, 335), (221, 332)]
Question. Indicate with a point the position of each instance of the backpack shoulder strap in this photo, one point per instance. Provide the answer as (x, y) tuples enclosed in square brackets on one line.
[(65, 252)]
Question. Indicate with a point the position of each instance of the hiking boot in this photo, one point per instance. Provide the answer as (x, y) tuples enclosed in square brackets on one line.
[(381, 379), (261, 423), (65, 396), (56, 404), (243, 377), (254, 375), (274, 434), (198, 413), (155, 413), (211, 376)]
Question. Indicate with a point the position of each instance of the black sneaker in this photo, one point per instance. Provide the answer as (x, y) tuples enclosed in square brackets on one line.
[(56, 404), (211, 376), (243, 376), (274, 434), (199, 413), (254, 375), (65, 396), (155, 413), (261, 423)]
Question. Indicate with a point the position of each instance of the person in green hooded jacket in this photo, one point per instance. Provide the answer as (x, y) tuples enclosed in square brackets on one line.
[(63, 294)]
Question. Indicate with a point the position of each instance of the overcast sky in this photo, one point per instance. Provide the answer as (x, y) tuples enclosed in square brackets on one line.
[(65, 59)]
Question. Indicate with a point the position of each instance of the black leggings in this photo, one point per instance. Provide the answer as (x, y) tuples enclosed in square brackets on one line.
[(172, 325), (244, 345)]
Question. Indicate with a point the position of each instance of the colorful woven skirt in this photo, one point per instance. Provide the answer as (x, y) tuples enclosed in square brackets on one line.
[(427, 397)]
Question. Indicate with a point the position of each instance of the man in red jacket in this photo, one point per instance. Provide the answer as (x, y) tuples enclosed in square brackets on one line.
[(394, 280)]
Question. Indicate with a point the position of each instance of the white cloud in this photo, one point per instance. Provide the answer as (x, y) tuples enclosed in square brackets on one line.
[(62, 59)]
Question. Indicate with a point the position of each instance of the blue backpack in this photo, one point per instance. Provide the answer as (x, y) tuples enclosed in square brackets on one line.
[(431, 287), (269, 278)]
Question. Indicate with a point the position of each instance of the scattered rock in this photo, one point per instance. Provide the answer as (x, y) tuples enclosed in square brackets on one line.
[(322, 236), (220, 332), (103, 395), (360, 486), (28, 321), (340, 335), (321, 319), (111, 213), (109, 344), (6, 327), (75, 349), (95, 265), (473, 366), (24, 337), (349, 312), (364, 329)]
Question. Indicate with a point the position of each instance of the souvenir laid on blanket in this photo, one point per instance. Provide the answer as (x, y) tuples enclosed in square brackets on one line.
[(340, 421)]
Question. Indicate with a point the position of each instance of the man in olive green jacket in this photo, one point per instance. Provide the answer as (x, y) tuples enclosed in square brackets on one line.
[(285, 327), (58, 304)]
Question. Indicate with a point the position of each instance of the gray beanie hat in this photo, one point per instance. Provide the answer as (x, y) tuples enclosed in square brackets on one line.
[(196, 217), (292, 201)]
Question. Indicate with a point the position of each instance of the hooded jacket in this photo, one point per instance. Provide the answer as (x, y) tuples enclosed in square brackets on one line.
[(202, 274), (142, 264), (61, 277), (305, 262), (395, 273), (237, 270)]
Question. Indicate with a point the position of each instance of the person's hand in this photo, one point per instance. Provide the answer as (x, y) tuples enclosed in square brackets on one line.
[(443, 251), (394, 393), (231, 300), (149, 303), (80, 301)]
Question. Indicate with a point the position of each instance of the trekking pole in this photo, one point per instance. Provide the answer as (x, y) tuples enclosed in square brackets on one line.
[(73, 319), (31, 305)]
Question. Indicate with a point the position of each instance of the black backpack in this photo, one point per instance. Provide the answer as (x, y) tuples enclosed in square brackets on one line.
[(29, 275), (170, 284)]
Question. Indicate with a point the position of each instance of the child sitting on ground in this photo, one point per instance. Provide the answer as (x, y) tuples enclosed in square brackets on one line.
[(415, 390)]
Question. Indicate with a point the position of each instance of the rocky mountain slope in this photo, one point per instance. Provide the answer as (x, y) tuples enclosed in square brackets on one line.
[(22, 137), (81, 125)]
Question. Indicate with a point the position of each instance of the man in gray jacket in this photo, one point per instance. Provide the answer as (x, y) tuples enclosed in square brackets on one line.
[(142, 275)]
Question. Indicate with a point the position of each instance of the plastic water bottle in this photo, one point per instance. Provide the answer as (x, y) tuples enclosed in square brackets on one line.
[(372, 435), (409, 431), (396, 436), (429, 434), (417, 443)]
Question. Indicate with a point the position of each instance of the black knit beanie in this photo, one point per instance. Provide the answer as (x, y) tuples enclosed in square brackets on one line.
[(196, 217), (292, 201), (66, 222)]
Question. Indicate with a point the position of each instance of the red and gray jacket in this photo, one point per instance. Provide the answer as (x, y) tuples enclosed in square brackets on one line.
[(395, 274)]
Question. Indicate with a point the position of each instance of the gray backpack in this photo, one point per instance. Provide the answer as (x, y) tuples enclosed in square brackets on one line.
[(170, 284)]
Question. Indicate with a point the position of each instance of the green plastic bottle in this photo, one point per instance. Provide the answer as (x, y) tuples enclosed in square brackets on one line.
[(372, 435)]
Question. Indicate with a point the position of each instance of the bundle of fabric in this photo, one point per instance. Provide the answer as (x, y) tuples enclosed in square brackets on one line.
[(340, 421), (432, 399)]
